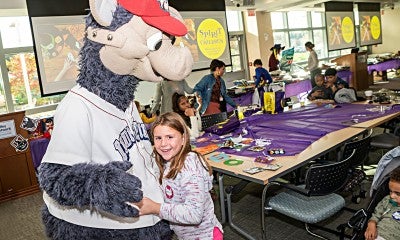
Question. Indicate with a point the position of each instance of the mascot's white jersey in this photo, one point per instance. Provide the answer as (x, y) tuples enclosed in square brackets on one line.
[(88, 129)]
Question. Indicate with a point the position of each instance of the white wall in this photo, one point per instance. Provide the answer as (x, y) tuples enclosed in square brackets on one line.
[(12, 4), (390, 32)]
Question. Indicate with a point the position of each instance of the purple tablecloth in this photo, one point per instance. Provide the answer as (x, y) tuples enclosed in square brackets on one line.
[(241, 100), (383, 66), (294, 89), (345, 75), (38, 149), (294, 131)]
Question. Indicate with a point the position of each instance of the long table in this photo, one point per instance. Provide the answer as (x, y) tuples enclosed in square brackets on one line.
[(383, 66), (341, 129)]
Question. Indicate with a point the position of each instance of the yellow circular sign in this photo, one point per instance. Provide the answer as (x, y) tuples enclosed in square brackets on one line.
[(375, 27), (347, 29), (211, 38)]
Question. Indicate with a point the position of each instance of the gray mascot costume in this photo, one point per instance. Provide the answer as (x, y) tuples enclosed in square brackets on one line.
[(99, 160)]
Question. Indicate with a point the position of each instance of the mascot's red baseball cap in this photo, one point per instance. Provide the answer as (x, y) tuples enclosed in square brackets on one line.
[(156, 14)]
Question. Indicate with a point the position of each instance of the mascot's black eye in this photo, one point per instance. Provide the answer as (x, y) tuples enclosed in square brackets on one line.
[(173, 39), (154, 41), (158, 45)]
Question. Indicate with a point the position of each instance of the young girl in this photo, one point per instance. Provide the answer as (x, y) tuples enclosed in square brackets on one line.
[(182, 106), (186, 180)]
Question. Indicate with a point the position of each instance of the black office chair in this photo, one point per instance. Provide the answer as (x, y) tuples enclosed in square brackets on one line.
[(212, 119), (314, 202), (387, 140), (357, 174)]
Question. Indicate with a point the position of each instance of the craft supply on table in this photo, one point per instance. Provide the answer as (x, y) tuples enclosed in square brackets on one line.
[(218, 157), (233, 162), (264, 159), (253, 170), (276, 151), (272, 167), (256, 148)]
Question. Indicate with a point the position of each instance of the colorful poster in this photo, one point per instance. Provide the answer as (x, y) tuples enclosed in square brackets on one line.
[(57, 44), (287, 59), (370, 28), (207, 37), (340, 30)]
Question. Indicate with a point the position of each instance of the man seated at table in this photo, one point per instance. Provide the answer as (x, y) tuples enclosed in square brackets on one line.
[(333, 81), (320, 91), (342, 93)]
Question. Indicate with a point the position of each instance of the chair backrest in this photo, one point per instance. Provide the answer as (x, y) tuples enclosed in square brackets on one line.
[(210, 120), (362, 147), (322, 179)]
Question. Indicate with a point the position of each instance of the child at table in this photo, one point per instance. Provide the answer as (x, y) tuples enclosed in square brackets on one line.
[(186, 179), (320, 91), (385, 221), (261, 79), (143, 115), (182, 106)]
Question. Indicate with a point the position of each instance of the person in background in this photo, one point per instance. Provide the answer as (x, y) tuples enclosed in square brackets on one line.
[(143, 115), (320, 91), (182, 106), (164, 92), (186, 179), (273, 62), (49, 128), (312, 64), (333, 81), (385, 221), (212, 90), (262, 78)]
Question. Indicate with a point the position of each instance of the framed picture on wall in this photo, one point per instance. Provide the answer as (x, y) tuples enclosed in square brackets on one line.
[(57, 41)]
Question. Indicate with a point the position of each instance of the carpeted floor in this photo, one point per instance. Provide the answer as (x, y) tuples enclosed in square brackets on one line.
[(393, 84), (20, 218)]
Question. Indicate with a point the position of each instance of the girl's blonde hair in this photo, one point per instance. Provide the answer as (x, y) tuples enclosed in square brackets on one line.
[(175, 121)]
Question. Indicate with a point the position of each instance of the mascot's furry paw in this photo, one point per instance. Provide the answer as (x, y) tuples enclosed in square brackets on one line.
[(104, 187)]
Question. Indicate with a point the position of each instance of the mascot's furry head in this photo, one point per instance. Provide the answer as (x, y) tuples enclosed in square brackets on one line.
[(128, 41)]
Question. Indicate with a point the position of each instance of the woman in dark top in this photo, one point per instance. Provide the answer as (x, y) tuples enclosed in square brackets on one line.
[(212, 90)]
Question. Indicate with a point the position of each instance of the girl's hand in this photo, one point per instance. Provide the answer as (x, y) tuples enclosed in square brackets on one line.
[(190, 112), (148, 206)]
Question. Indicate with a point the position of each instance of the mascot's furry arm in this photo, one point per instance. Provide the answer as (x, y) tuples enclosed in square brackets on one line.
[(104, 187)]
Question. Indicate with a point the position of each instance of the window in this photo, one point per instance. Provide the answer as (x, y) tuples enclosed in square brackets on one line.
[(19, 83), (319, 42), (15, 32), (282, 38), (297, 40), (297, 19), (3, 106), (317, 19), (236, 40), (301, 27), (235, 45), (234, 21), (24, 82), (278, 20)]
